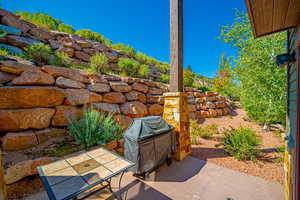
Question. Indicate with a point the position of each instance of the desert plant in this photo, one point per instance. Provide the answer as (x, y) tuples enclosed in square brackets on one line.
[(99, 62), (144, 71), (38, 52), (90, 35), (164, 78), (204, 131), (242, 143), (65, 28), (94, 128), (128, 66), (126, 49), (59, 59)]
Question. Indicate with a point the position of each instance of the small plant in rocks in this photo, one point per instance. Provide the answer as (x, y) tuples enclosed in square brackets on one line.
[(99, 63), (128, 66), (242, 143), (204, 131)]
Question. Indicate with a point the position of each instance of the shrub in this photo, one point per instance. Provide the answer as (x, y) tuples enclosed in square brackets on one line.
[(144, 71), (164, 67), (128, 50), (94, 128), (39, 19), (65, 28), (242, 143), (204, 88), (90, 35), (99, 62), (42, 54), (128, 66), (204, 131), (165, 78)]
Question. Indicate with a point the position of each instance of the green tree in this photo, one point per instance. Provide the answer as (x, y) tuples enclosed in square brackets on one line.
[(262, 82)]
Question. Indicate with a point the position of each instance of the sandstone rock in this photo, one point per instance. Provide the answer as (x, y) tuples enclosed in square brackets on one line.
[(203, 114), (100, 47), (192, 100), (198, 94), (82, 56), (140, 87), (106, 107), (99, 87), (210, 98), (19, 41), (200, 100), (32, 96), (136, 96), (134, 109), (190, 94), (210, 105), (5, 77), (64, 113), (70, 44), (40, 33), (112, 56), (68, 83), (220, 104), (155, 91), (89, 51), (188, 89), (192, 115), (128, 80), (219, 112), (46, 134), (12, 20), (123, 120), (33, 78), (55, 45), (84, 43), (192, 108), (24, 169), (96, 78), (155, 109), (22, 119), (15, 67), (19, 141), (66, 50), (111, 77), (80, 97), (114, 97), (210, 93), (155, 99), (120, 86), (212, 113), (74, 74)]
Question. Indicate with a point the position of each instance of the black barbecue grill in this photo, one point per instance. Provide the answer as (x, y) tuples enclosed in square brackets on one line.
[(148, 143)]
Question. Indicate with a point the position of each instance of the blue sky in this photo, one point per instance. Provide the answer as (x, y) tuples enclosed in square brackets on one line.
[(144, 24)]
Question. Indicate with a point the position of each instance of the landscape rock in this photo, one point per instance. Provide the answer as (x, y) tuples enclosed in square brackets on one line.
[(19, 141), (111, 77), (22, 119), (35, 77), (82, 56), (123, 120), (68, 83), (106, 107), (46, 134), (14, 67), (24, 169), (192, 108), (114, 97), (140, 87), (10, 30), (84, 44), (90, 51), (155, 91), (30, 96), (120, 86), (136, 96), (155, 109), (5, 77), (55, 45), (155, 99), (40, 33), (134, 109), (81, 96), (128, 80), (112, 56), (19, 41), (66, 50), (12, 20), (99, 87), (63, 114)]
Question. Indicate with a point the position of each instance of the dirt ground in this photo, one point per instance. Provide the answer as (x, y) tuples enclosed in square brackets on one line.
[(269, 165)]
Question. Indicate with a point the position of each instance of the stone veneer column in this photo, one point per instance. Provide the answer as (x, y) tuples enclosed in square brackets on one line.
[(2, 184), (176, 114)]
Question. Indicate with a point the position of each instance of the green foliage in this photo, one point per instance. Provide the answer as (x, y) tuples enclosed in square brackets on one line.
[(90, 35), (242, 143), (165, 78), (94, 128), (65, 28), (204, 131), (204, 88), (262, 82), (164, 67), (144, 71), (128, 50), (42, 54), (224, 82), (188, 77), (4, 51), (128, 66), (99, 62)]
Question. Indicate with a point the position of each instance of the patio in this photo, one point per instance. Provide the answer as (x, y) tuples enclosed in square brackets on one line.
[(191, 179)]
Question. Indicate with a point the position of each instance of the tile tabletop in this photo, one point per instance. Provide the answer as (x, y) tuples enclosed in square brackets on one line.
[(67, 178)]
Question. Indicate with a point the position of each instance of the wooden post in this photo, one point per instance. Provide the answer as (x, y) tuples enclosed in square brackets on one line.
[(2, 184), (176, 45)]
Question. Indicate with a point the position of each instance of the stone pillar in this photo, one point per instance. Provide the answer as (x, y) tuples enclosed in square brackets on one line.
[(2, 184), (176, 114)]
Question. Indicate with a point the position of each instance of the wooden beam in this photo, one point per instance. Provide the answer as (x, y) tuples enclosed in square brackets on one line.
[(176, 45), (2, 184)]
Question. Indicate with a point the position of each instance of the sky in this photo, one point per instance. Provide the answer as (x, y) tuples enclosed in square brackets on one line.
[(144, 25)]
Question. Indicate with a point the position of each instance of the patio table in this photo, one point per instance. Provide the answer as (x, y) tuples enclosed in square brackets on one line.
[(67, 178)]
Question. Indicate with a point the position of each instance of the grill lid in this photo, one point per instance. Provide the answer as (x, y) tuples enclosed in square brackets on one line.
[(146, 127)]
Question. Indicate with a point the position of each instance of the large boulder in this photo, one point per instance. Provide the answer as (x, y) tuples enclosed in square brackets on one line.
[(82, 56), (134, 109), (66, 50), (99, 87), (68, 83), (63, 114), (11, 19), (120, 86), (136, 96), (155, 99), (106, 107), (111, 77), (32, 96), (124, 121), (81, 96), (5, 77), (19, 41), (140, 87), (49, 133), (155, 109), (114, 97), (33, 78), (74, 74), (40, 33), (84, 43), (155, 91), (14, 67), (19, 141), (24, 169), (22, 119)]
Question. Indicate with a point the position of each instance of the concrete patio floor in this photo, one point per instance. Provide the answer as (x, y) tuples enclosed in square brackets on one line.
[(191, 179)]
